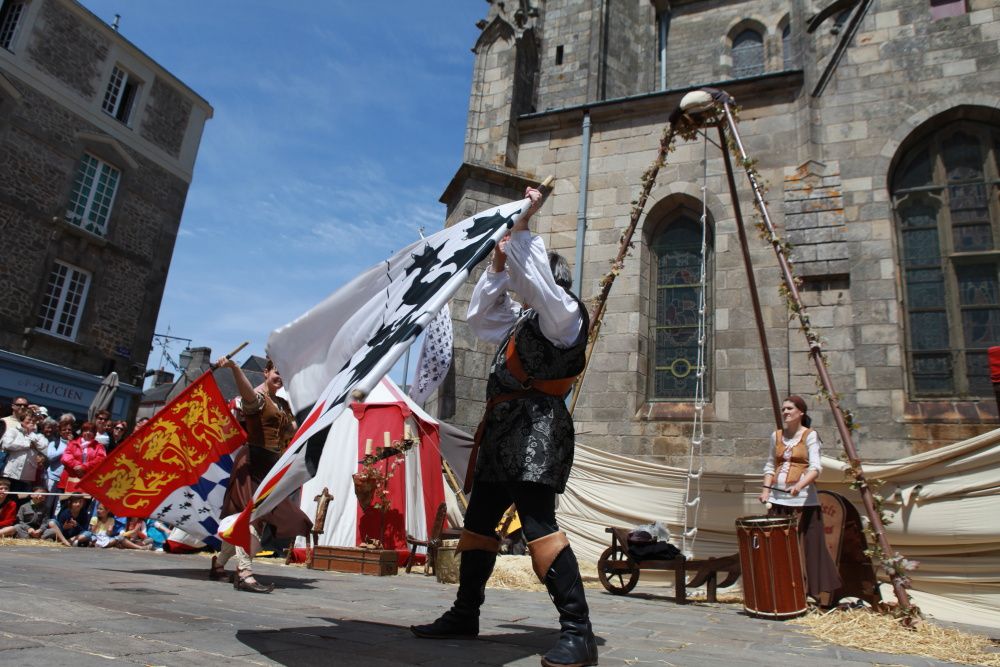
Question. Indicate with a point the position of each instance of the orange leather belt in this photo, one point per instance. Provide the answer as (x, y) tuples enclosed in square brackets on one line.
[(530, 387)]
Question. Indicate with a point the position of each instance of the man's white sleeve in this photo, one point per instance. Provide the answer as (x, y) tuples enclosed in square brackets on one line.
[(559, 315), (491, 311)]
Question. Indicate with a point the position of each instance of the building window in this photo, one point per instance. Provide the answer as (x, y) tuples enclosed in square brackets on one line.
[(62, 306), (676, 284), (944, 193), (10, 19), (943, 8), (93, 195), (787, 57), (748, 54), (119, 98)]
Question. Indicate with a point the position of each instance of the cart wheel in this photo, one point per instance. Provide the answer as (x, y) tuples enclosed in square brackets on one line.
[(617, 573)]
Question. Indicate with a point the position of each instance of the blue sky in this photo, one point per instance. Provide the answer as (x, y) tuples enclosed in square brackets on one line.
[(337, 126)]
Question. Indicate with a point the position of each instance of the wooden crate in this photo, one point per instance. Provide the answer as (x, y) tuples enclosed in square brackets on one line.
[(378, 562)]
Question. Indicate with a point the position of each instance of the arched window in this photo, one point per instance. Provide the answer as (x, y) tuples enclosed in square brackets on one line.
[(748, 54), (676, 285), (944, 193), (787, 57)]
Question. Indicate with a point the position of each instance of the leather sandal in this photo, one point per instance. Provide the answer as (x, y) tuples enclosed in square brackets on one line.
[(240, 583), (217, 572)]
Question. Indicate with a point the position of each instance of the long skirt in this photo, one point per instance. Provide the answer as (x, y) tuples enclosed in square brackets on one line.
[(821, 572), (250, 465)]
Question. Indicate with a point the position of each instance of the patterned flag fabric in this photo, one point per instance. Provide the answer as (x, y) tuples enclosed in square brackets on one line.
[(196, 509), (435, 357), (169, 457), (351, 339)]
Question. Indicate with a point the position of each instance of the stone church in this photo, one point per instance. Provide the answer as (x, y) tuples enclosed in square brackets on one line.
[(876, 127)]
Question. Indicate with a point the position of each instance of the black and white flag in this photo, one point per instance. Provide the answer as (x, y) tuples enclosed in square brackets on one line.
[(435, 357), (347, 343)]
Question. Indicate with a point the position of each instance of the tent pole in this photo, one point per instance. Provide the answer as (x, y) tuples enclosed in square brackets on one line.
[(816, 354), (751, 280)]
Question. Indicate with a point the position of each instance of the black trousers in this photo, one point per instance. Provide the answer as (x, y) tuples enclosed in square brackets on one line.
[(536, 506)]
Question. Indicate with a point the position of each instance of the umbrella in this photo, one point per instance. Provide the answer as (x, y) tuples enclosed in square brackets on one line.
[(105, 393)]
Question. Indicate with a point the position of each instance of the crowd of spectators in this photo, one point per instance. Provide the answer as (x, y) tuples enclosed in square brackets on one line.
[(42, 460)]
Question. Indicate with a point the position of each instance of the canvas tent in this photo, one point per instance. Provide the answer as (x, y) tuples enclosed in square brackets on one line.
[(416, 487), (942, 505)]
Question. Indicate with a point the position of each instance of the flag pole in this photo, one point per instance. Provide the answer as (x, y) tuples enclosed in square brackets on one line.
[(441, 297), (233, 353)]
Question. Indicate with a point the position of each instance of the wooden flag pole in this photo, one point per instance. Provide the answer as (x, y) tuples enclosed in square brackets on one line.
[(232, 354)]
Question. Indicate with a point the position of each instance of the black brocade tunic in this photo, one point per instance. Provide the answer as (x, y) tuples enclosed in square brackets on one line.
[(531, 439)]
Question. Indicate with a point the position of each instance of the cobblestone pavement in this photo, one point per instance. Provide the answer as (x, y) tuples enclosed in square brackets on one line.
[(85, 607)]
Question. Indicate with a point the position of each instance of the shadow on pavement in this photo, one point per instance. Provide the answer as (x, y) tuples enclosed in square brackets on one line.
[(298, 583), (354, 642)]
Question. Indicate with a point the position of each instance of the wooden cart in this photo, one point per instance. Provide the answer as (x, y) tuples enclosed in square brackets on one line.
[(619, 573)]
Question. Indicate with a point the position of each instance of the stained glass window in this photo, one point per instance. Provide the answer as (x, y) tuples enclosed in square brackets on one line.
[(945, 195), (787, 57), (748, 54), (676, 257)]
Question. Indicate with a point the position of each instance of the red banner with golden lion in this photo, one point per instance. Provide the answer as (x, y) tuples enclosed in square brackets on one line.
[(169, 451)]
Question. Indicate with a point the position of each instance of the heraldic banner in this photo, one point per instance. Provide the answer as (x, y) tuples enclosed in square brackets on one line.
[(170, 451)]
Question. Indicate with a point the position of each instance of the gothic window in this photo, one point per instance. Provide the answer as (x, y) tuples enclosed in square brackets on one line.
[(120, 95), (10, 18), (93, 195), (943, 8), (787, 57), (748, 54), (63, 302), (676, 285), (944, 193)]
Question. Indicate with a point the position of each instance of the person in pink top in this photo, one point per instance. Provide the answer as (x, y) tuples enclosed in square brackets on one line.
[(81, 456)]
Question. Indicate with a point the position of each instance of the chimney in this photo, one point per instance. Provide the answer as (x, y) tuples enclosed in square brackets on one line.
[(162, 377), (199, 360)]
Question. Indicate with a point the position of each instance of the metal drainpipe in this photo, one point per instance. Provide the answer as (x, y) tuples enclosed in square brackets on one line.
[(581, 210)]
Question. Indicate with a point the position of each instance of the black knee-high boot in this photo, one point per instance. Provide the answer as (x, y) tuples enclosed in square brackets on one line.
[(577, 645), (462, 620)]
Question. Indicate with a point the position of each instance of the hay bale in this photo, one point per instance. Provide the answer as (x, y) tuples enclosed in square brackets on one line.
[(515, 573), (881, 633)]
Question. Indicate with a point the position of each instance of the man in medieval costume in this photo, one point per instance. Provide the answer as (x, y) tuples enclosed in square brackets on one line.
[(524, 444), (270, 426)]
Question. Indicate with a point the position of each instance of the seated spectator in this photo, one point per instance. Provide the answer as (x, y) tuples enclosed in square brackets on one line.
[(81, 456), (8, 506), (157, 532), (32, 518), (23, 445), (71, 523), (106, 531), (135, 533)]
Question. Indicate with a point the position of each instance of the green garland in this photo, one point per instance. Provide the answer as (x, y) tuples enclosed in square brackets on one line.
[(896, 566)]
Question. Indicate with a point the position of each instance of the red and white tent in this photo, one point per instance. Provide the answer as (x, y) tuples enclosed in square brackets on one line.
[(416, 488)]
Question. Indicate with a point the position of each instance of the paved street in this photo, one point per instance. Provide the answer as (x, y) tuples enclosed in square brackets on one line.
[(85, 607)]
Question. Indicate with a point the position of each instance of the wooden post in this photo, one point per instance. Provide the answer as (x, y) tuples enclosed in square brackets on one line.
[(816, 354), (751, 281)]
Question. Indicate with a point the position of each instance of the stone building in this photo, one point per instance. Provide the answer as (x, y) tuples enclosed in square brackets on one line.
[(98, 144), (877, 129)]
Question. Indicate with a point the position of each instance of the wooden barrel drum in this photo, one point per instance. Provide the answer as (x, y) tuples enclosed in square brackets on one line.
[(774, 583)]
